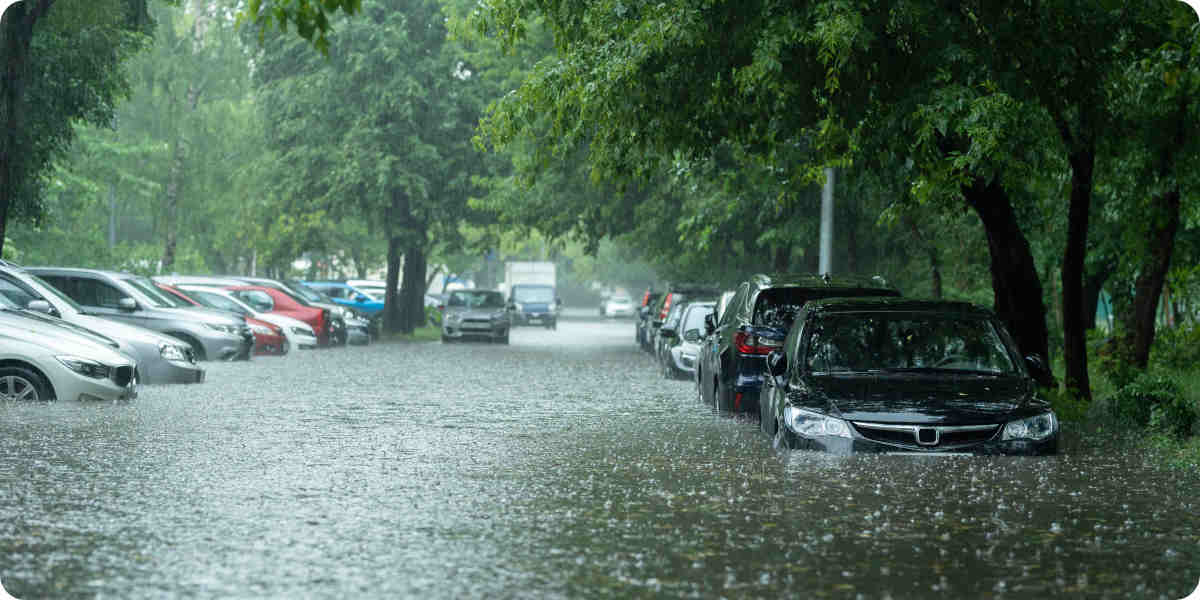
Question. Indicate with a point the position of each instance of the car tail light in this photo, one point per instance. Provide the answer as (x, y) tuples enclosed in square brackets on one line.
[(662, 315), (748, 343)]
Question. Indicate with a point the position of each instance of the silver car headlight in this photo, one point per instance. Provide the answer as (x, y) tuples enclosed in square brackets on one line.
[(172, 352), (453, 317), (1037, 428), (813, 424), (261, 330), (85, 366), (226, 329)]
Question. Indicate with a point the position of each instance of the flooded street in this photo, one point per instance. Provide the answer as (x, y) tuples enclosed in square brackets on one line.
[(560, 466)]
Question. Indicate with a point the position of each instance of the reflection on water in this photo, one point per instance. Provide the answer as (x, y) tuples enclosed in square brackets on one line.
[(561, 466)]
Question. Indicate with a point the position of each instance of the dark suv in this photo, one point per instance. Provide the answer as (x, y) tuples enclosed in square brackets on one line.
[(733, 359)]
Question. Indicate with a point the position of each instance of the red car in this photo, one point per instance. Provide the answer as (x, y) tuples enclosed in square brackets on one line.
[(269, 339), (267, 299)]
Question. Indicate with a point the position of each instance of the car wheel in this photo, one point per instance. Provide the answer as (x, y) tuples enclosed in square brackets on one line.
[(197, 347), (504, 340), (446, 339), (720, 401), (18, 384)]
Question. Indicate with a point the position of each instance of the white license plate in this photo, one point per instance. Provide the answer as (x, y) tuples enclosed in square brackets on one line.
[(533, 320)]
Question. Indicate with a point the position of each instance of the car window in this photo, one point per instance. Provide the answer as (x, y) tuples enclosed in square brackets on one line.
[(49, 289), (879, 342), (257, 299), (777, 307), (88, 291), (738, 299), (17, 292), (217, 301), (535, 295), (695, 317), (157, 297)]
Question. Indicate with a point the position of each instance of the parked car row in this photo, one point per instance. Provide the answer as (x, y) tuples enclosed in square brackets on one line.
[(85, 334), (847, 365)]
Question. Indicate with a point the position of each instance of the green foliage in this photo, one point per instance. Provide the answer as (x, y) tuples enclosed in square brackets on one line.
[(1153, 401), (309, 17), (1177, 349)]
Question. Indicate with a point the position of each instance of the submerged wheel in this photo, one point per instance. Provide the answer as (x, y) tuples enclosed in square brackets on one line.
[(18, 384), (446, 339), (784, 439)]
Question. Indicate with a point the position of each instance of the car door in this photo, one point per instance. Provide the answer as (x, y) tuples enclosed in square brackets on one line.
[(98, 296)]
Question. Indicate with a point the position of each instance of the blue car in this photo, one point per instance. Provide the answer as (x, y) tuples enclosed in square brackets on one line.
[(359, 300)]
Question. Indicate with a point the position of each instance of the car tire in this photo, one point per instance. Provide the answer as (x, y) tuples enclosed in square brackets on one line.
[(446, 339), (197, 347), (18, 384), (720, 399), (504, 339)]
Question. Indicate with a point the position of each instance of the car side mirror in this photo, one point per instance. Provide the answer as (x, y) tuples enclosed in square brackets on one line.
[(710, 323), (40, 306), (1037, 368), (777, 363), (692, 335), (127, 304), (360, 298)]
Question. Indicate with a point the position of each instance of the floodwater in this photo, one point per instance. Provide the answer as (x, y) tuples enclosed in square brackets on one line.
[(561, 466)]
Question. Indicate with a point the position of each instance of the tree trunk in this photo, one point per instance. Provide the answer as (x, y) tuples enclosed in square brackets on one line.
[(1093, 284), (16, 33), (391, 304), (1148, 287), (412, 288), (1074, 330), (931, 251), (171, 206), (782, 258), (1015, 282)]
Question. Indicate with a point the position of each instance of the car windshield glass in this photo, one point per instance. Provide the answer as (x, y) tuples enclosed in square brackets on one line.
[(157, 297), (375, 294), (695, 318), (6, 304), (305, 292), (538, 295), (46, 288), (905, 342), (476, 299), (217, 301), (777, 307)]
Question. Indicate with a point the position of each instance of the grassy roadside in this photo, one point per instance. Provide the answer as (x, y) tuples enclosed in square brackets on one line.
[(1101, 428), (428, 333)]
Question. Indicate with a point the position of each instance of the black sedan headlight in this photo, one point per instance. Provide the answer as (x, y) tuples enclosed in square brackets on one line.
[(813, 424), (1037, 428)]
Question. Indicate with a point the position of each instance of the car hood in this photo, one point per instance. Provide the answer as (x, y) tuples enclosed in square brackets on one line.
[(87, 332), (282, 320), (477, 313), (122, 332), (200, 314), (56, 338), (921, 399)]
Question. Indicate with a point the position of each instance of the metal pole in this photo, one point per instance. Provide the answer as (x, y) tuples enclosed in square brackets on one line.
[(826, 255), (112, 215)]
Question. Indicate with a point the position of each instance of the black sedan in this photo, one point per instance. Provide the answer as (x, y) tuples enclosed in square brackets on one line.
[(904, 376)]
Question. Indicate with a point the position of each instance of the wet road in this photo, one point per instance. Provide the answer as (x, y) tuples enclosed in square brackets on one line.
[(560, 466)]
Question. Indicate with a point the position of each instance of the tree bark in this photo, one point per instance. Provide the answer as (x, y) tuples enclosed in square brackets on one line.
[(1015, 282), (391, 304), (1074, 329), (412, 288), (16, 34), (1148, 286), (931, 251), (782, 257)]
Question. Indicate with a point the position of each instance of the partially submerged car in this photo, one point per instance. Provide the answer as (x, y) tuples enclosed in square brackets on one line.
[(160, 358), (904, 376), (299, 334), (41, 360), (479, 314)]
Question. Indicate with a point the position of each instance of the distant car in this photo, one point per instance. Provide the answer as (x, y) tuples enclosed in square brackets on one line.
[(682, 347), (479, 314), (269, 339), (904, 376), (755, 322), (135, 300), (534, 304), (41, 360), (271, 300), (160, 358), (360, 300), (642, 333), (299, 334), (618, 306)]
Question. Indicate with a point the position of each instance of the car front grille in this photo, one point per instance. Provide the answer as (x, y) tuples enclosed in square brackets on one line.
[(932, 437), (122, 376)]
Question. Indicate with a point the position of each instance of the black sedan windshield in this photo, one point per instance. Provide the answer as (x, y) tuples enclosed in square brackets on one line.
[(873, 342)]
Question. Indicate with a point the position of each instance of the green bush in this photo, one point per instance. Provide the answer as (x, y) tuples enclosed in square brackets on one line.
[(1154, 402), (1177, 349)]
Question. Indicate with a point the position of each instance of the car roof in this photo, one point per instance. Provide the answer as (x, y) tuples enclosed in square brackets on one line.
[(881, 304), (812, 280), (68, 270)]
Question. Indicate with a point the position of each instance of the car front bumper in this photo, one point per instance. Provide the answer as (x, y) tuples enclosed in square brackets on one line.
[(458, 331), (990, 447)]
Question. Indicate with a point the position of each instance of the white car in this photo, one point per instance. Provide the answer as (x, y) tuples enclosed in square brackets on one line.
[(40, 360), (618, 306), (298, 333)]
